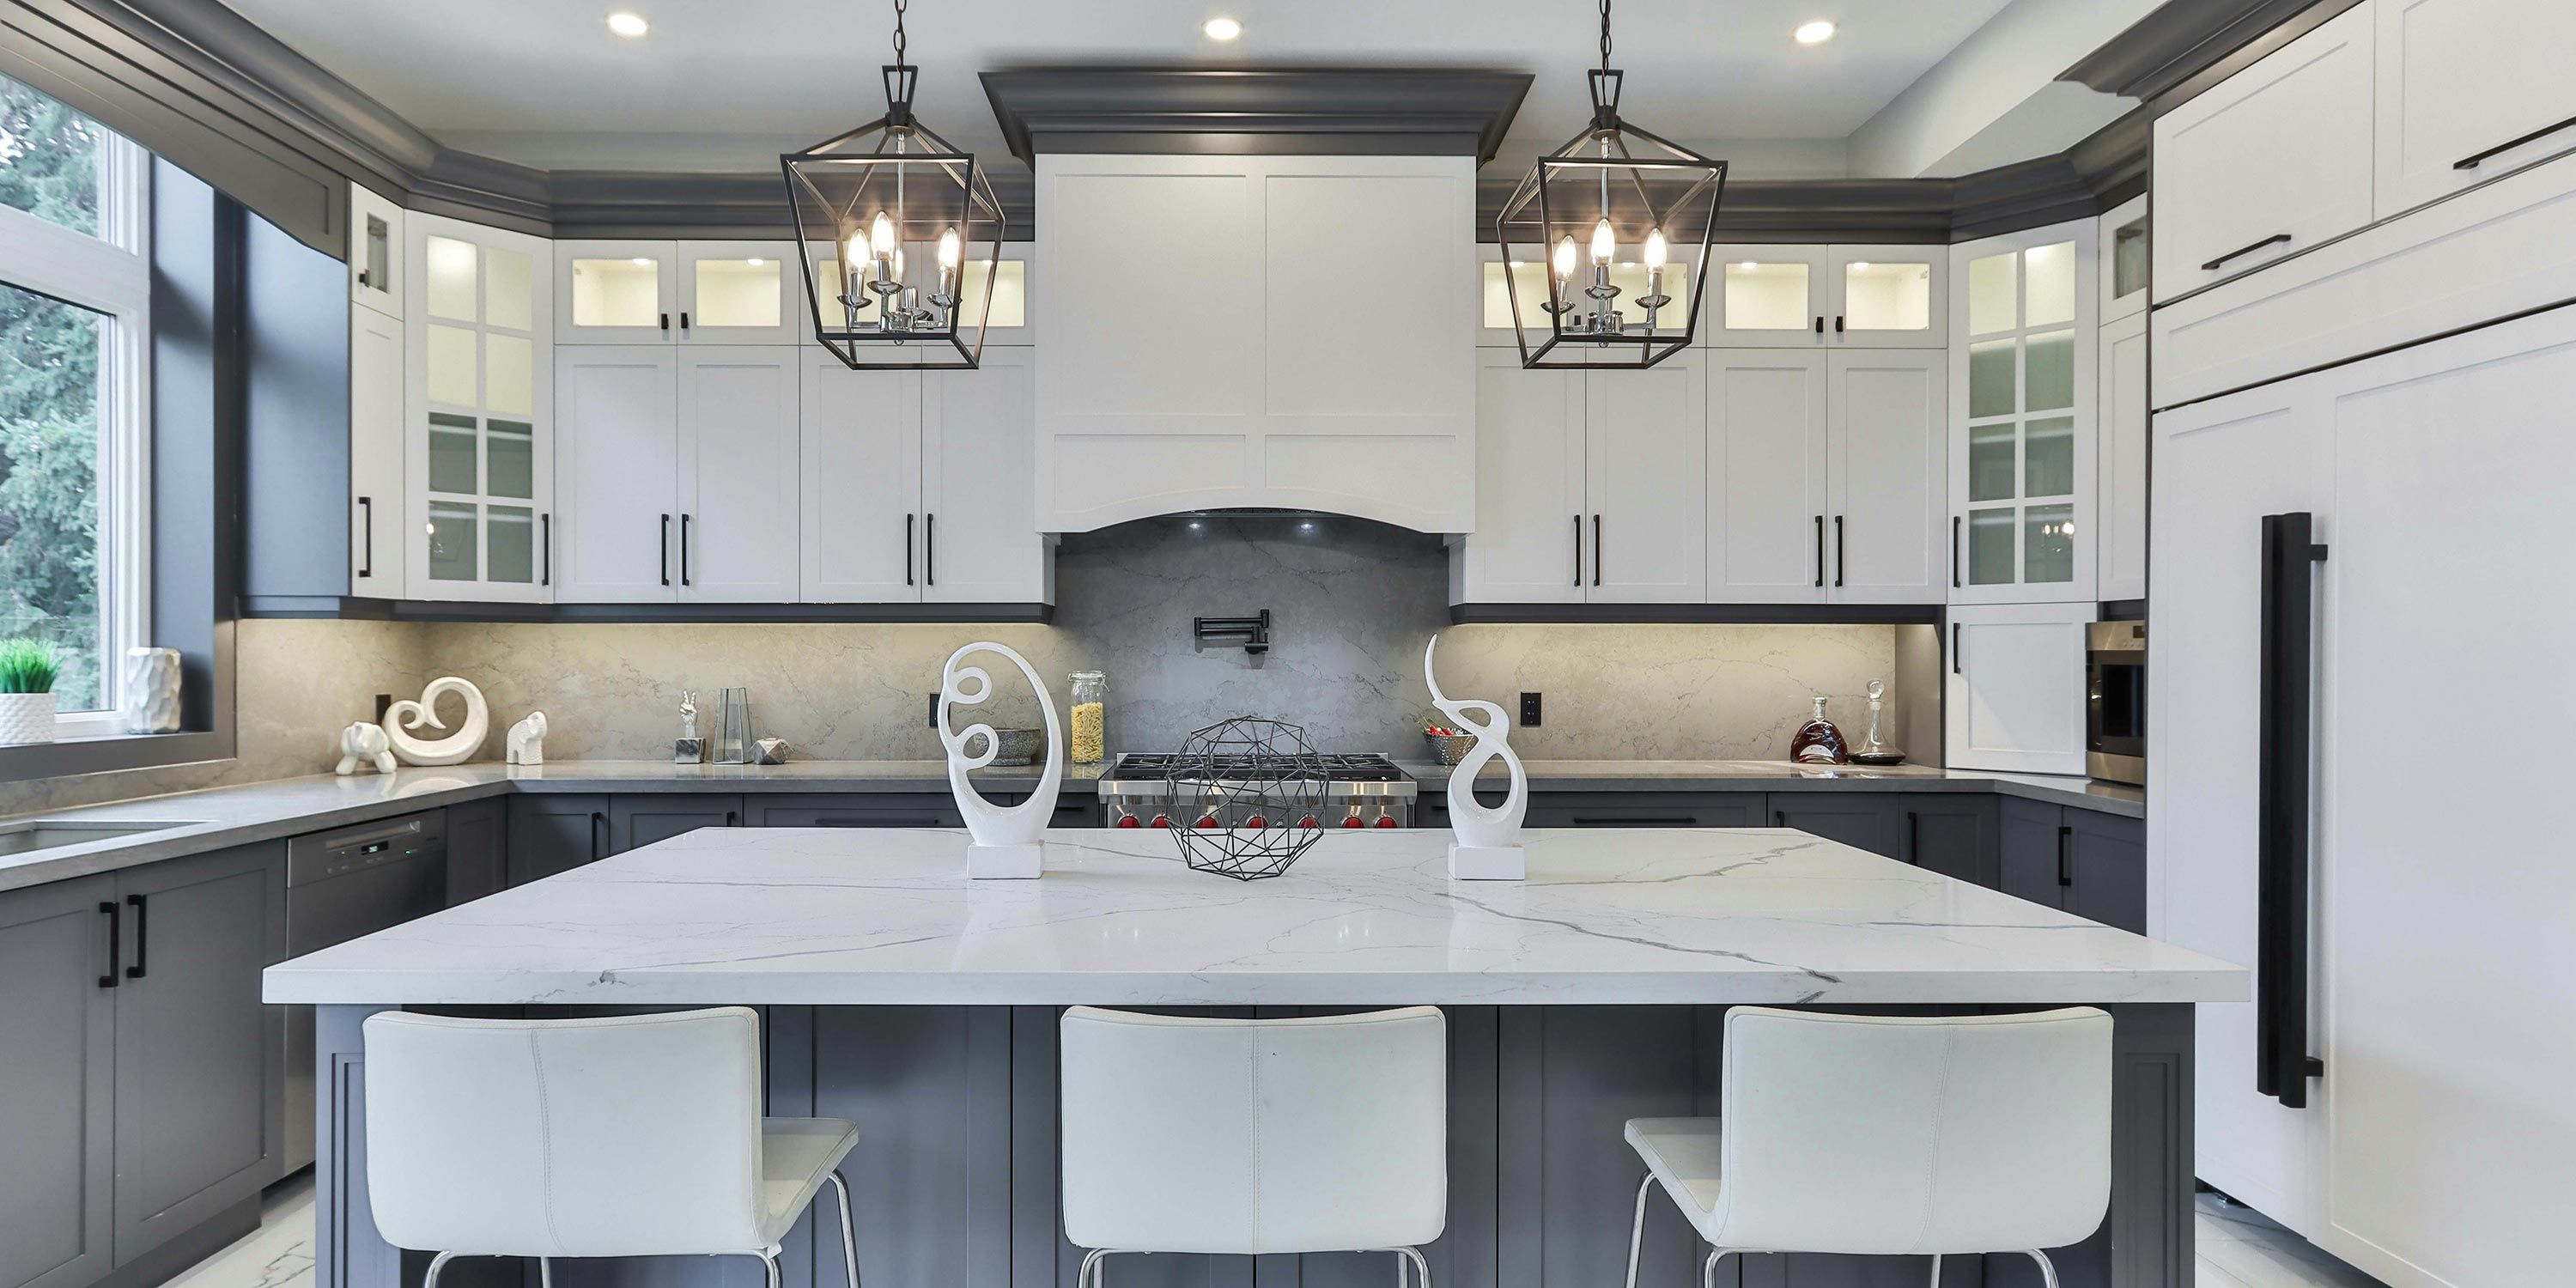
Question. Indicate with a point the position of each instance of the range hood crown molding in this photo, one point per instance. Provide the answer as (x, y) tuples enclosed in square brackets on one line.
[(1381, 111)]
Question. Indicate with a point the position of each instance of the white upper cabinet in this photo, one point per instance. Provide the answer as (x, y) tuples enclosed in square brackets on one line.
[(2122, 539), (616, 292), (738, 474), (2125, 255), (979, 535), (861, 440), (1530, 499), (2013, 693), (618, 453), (1644, 467), (1885, 434), (478, 411), (1766, 476), (2270, 162), (1769, 297), (740, 292), (376, 451), (375, 252), (2022, 409), (2468, 90), (1247, 369), (1887, 296)]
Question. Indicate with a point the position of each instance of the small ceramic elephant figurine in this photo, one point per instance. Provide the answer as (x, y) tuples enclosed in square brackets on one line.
[(364, 743), (527, 741)]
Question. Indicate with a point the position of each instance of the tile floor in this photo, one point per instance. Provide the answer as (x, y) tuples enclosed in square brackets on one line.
[(2238, 1249)]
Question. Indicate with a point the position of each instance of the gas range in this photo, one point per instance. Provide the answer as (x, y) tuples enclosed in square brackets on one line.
[(1360, 789)]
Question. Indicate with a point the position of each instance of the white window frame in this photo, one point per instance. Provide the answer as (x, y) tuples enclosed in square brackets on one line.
[(109, 274)]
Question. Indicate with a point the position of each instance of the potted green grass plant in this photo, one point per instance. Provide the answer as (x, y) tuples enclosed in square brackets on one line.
[(27, 669)]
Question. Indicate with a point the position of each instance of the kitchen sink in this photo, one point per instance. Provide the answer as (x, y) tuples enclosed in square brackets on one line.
[(36, 834)]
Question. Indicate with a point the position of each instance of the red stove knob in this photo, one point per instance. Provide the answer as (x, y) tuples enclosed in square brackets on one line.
[(1353, 820), (1309, 821), (1256, 820), (1162, 820), (1129, 820), (1208, 821), (1384, 820)]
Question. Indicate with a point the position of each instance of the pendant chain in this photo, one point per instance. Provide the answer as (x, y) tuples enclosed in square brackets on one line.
[(901, 5), (1605, 34)]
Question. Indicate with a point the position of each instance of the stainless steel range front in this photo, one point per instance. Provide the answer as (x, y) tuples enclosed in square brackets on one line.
[(1360, 790)]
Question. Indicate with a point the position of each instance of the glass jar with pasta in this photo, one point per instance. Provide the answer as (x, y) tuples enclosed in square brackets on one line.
[(1087, 742)]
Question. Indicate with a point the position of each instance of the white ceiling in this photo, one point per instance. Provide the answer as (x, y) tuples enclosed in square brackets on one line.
[(726, 85)]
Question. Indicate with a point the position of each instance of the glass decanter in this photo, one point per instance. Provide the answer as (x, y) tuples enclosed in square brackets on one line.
[(1818, 742)]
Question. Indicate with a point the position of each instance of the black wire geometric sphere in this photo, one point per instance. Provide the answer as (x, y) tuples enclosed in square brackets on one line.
[(1252, 792)]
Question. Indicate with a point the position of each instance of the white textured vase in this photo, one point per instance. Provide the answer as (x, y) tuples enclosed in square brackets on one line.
[(26, 717), (151, 690)]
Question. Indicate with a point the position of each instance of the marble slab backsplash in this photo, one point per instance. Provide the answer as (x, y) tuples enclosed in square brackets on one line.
[(1352, 604)]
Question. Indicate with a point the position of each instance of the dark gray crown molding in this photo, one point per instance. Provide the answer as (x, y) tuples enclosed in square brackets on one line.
[(1381, 110), (207, 89)]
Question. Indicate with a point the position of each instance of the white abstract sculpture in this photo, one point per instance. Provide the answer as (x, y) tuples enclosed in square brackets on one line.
[(525, 744), (454, 749), (1006, 839), (1486, 846), (363, 743)]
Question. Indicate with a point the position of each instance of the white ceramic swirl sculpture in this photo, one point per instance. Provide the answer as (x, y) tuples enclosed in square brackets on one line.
[(454, 749), (1487, 842), (1006, 837)]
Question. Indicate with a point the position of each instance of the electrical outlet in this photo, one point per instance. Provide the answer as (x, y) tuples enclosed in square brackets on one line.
[(384, 701), (1529, 709), (934, 711)]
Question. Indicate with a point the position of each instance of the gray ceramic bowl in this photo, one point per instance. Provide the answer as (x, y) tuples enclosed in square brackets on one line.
[(1019, 746)]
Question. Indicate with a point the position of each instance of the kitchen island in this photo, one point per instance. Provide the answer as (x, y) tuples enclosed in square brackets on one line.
[(923, 1006)]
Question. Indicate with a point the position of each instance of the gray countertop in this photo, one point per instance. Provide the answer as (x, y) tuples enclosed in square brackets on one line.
[(224, 816)]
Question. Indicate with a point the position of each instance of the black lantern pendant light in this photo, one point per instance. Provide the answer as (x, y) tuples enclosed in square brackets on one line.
[(1611, 186), (859, 200)]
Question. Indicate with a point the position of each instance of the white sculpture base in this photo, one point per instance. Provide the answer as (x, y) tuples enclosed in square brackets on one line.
[(1487, 863), (1004, 862)]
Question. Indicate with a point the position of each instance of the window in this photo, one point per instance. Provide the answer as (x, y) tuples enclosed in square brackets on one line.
[(75, 283)]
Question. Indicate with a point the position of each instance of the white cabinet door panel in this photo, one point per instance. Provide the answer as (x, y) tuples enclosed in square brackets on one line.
[(2122, 457), (2270, 162), (1646, 471), (862, 483), (1530, 499), (1886, 435), (979, 537), (617, 490), (1766, 477), (376, 528), (2460, 79), (738, 488), (2014, 698)]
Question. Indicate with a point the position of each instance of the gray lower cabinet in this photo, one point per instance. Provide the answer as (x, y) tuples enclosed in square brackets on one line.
[(200, 1092), (57, 1083), (861, 809), (635, 821), (1871, 821), (1637, 809), (1954, 834), (478, 848), (2089, 863), (548, 834)]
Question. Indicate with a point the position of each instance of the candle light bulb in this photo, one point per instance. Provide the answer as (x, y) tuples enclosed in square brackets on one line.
[(894, 263), (858, 253), (1604, 241), (1563, 260), (1655, 250), (881, 233), (950, 248)]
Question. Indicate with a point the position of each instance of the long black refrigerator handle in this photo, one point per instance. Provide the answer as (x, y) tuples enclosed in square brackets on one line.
[(2282, 1065)]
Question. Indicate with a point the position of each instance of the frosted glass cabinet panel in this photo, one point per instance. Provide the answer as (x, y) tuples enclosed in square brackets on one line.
[(740, 292), (1887, 296), (616, 292), (2022, 475), (478, 413), (1766, 296)]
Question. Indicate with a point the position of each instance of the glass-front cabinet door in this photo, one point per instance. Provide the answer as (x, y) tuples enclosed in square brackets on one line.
[(2124, 259), (617, 292), (1769, 297), (375, 252), (1887, 297), (479, 410), (739, 292), (2022, 414)]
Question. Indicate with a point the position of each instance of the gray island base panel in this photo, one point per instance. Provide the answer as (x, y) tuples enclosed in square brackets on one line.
[(899, 995)]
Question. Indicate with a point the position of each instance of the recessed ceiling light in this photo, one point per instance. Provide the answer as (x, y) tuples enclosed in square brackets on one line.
[(628, 25), (1222, 28), (1815, 33)]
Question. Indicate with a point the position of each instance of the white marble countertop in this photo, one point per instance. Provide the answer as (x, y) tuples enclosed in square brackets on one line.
[(844, 917)]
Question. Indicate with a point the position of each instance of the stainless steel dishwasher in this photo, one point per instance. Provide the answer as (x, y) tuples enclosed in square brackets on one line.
[(340, 885)]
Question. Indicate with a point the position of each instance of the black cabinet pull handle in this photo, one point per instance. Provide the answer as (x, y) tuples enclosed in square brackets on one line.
[(362, 278), (546, 548), (2470, 162), (2275, 239), (142, 933), (1779, 818), (684, 548), (1913, 836), (666, 324), (115, 943), (367, 566), (1820, 551), (1955, 656), (1838, 552), (889, 820), (2065, 835), (733, 818), (684, 323), (1667, 820), (1596, 550), (1838, 324), (929, 549), (1578, 550), (666, 550), (1955, 522), (598, 824), (1820, 324), (907, 549)]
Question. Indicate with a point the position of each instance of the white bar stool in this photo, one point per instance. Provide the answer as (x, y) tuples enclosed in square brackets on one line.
[(1255, 1136), (628, 1136), (1893, 1136)]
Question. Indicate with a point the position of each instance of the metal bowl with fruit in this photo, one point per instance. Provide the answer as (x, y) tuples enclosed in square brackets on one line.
[(1448, 746)]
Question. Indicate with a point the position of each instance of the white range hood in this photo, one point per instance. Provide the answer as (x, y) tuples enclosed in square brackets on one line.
[(1257, 331)]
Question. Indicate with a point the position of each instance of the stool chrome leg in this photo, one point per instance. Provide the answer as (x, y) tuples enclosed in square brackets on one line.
[(769, 1265), (1936, 1270), (436, 1264), (849, 1231), (1708, 1268), (545, 1272), (2047, 1268), (1421, 1268), (1090, 1277), (1637, 1227)]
